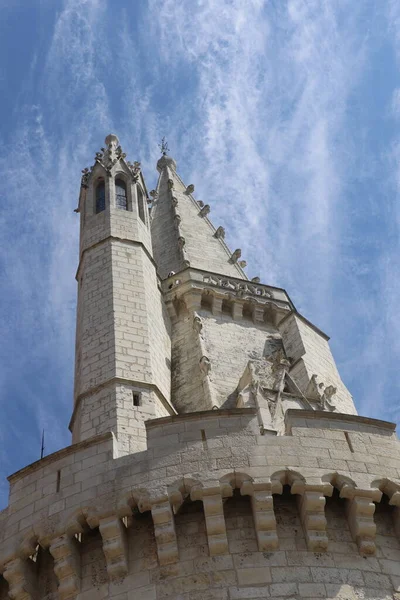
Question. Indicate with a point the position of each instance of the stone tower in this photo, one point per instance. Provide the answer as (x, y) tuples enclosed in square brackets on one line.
[(216, 453)]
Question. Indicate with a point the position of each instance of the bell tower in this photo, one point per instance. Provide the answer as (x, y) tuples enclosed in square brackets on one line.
[(122, 367)]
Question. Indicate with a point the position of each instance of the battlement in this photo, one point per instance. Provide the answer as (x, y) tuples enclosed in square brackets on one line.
[(212, 505)]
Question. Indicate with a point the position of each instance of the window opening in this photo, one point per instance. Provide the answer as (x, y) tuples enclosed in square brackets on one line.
[(140, 200), (136, 398), (100, 197), (120, 192), (58, 480)]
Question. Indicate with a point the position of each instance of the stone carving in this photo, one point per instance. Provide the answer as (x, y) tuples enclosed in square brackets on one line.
[(154, 194), (66, 566), (170, 184), (242, 264), (115, 546), (135, 168), (236, 255), (85, 177), (242, 289), (215, 523), (205, 365), (181, 241), (177, 218), (164, 530), (197, 323), (205, 210), (171, 273), (190, 188), (220, 233), (200, 203), (317, 392), (255, 280), (174, 201), (20, 579)]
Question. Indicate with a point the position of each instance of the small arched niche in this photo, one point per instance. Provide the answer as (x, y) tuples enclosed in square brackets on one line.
[(206, 301), (248, 311), (100, 196), (227, 307), (239, 523)]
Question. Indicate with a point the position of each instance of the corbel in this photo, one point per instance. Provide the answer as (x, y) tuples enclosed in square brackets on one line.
[(65, 553), (115, 546), (164, 530)]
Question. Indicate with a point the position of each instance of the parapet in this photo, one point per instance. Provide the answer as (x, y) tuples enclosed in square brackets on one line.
[(212, 509)]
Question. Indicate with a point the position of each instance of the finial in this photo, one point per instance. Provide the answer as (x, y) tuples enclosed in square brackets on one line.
[(163, 145), (112, 138)]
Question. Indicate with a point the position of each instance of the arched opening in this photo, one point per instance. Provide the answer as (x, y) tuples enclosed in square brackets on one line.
[(190, 526), (100, 196), (227, 307), (46, 577), (337, 527), (248, 310), (288, 525), (206, 301), (93, 562), (239, 523), (121, 199), (385, 520), (140, 203)]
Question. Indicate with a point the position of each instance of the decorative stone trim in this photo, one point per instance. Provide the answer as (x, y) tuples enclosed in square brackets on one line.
[(360, 515), (164, 530), (236, 255), (190, 188), (115, 546), (262, 503), (215, 523), (20, 579), (220, 233), (312, 515), (65, 552), (205, 210)]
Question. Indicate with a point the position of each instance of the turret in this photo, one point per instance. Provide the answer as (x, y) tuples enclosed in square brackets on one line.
[(122, 367)]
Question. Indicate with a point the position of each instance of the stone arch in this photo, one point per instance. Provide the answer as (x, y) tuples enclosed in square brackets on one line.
[(181, 489), (293, 479), (388, 487), (344, 484), (234, 480)]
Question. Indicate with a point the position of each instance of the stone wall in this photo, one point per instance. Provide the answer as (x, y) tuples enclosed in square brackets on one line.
[(211, 509)]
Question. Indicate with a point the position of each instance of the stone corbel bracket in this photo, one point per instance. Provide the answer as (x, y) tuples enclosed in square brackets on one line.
[(360, 515), (164, 530), (311, 501), (20, 577), (214, 516), (65, 553), (262, 504), (115, 546)]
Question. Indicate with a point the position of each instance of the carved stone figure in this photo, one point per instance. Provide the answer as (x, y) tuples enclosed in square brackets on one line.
[(190, 188), (205, 365), (220, 233)]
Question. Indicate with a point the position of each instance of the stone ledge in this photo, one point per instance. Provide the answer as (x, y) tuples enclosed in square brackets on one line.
[(50, 458), (241, 412), (333, 420)]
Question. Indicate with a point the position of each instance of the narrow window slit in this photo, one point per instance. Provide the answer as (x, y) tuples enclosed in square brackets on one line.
[(58, 481), (348, 440), (203, 438), (136, 398)]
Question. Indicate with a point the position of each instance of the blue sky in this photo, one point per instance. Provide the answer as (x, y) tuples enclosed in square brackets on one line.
[(284, 114)]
